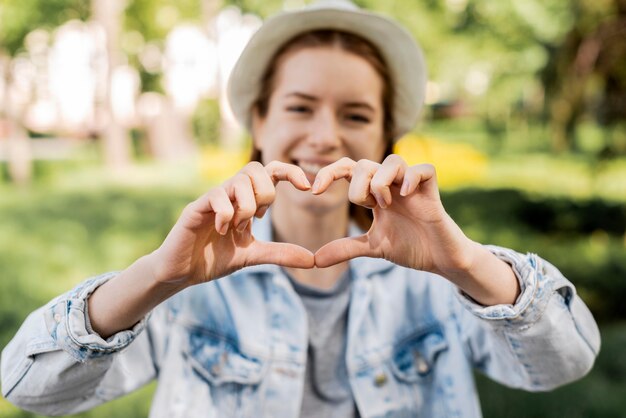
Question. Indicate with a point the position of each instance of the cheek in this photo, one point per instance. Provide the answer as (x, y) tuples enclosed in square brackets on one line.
[(368, 148), (271, 142)]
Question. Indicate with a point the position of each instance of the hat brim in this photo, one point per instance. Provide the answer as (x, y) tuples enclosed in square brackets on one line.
[(400, 51)]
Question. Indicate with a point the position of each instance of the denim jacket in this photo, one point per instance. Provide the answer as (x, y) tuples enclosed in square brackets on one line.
[(236, 347)]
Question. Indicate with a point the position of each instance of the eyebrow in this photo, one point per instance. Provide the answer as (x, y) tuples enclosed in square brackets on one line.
[(358, 105), (302, 96)]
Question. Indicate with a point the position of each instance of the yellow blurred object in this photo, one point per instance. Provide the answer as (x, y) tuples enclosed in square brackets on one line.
[(457, 164), (218, 164)]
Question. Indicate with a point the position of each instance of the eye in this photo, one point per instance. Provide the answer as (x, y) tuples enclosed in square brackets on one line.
[(298, 109), (358, 118)]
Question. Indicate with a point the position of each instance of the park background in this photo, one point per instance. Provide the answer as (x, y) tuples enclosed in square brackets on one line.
[(112, 118)]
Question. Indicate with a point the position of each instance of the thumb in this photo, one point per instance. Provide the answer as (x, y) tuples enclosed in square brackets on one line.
[(280, 253), (344, 249)]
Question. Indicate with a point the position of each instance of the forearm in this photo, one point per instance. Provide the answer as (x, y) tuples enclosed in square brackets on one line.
[(486, 278), (124, 300)]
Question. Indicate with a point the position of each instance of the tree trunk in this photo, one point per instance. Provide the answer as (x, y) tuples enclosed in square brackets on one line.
[(116, 143)]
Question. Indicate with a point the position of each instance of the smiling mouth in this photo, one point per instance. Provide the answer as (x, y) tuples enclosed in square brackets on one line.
[(310, 168)]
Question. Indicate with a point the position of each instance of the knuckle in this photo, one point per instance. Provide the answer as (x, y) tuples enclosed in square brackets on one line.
[(378, 181), (240, 178), (271, 166), (324, 171), (363, 163), (252, 168), (265, 196), (254, 165), (347, 161), (246, 209), (227, 210), (190, 207), (394, 158), (218, 192)]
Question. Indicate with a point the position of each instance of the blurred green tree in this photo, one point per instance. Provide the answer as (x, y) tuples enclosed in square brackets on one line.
[(20, 17), (552, 61), (586, 73)]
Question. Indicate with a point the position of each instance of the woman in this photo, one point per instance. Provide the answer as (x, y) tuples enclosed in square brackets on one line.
[(310, 316)]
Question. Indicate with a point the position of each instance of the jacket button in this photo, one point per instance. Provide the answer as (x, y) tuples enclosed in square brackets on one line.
[(420, 363), (380, 379), (216, 369), (57, 318)]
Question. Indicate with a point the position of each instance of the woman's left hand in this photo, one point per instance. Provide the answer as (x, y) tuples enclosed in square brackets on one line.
[(411, 228)]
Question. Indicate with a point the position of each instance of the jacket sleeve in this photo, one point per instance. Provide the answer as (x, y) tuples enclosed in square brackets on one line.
[(546, 339), (56, 364)]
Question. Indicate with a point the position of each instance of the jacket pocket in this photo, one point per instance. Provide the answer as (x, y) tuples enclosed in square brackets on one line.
[(414, 358), (417, 374), (226, 380), (220, 360)]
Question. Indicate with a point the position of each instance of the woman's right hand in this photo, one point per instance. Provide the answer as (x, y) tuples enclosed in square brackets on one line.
[(213, 236)]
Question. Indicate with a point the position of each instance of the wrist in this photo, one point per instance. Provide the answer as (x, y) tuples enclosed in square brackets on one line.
[(484, 277), (156, 275), (463, 261), (125, 299)]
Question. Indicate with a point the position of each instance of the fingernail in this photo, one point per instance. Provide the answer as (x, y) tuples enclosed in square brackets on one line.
[(224, 229), (405, 188), (262, 210), (242, 226), (306, 181), (316, 186), (381, 202), (387, 199)]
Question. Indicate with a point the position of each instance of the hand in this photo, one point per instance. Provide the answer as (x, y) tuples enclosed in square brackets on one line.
[(411, 228), (213, 237)]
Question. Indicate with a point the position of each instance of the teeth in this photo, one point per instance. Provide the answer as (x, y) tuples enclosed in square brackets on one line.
[(312, 168)]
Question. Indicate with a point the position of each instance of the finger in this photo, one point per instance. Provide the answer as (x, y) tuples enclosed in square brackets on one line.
[(344, 249), (280, 253), (263, 186), (279, 171), (359, 191), (340, 169), (218, 202), (392, 171), (241, 193), (422, 174)]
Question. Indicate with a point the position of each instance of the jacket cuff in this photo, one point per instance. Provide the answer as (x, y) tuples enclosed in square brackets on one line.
[(68, 323), (536, 288)]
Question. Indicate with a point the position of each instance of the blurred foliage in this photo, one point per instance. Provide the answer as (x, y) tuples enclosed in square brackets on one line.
[(206, 122), (21, 17), (557, 62)]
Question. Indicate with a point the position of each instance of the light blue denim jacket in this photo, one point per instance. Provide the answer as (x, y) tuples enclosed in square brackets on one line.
[(236, 347)]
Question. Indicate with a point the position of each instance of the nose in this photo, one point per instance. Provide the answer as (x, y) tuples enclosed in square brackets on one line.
[(324, 135)]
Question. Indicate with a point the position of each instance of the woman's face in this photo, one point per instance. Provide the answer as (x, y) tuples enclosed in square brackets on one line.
[(326, 104)]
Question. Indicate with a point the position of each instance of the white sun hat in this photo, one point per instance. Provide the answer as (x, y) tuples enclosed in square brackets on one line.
[(400, 51)]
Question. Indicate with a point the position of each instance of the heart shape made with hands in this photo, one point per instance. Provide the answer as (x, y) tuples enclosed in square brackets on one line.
[(372, 185)]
